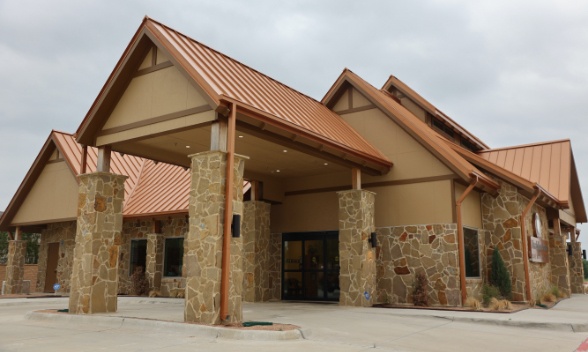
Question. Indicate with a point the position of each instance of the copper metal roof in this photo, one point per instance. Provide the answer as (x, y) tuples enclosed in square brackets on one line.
[(221, 77), (431, 109), (162, 189), (127, 165), (414, 126)]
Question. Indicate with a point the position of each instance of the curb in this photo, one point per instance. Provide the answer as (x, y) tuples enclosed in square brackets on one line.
[(193, 329), (569, 327)]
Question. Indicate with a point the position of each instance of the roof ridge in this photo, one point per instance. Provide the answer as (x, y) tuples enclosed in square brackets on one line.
[(524, 145), (234, 60)]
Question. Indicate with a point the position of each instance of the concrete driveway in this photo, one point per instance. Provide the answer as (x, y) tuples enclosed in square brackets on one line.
[(145, 324)]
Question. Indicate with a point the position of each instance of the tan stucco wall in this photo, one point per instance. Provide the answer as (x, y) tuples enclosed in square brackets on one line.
[(411, 204), (410, 158), (53, 197), (414, 108), (471, 208), (306, 212), (152, 95)]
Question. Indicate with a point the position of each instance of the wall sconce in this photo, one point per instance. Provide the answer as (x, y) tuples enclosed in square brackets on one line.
[(373, 239)]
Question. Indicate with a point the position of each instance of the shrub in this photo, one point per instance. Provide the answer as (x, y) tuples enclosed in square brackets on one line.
[(489, 292), (585, 263), (419, 294), (473, 303), (555, 291), (499, 276)]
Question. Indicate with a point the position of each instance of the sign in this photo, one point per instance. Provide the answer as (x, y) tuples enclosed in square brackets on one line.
[(366, 295), (538, 250), (56, 287)]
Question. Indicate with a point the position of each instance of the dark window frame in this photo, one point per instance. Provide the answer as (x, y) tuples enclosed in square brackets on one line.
[(178, 257)]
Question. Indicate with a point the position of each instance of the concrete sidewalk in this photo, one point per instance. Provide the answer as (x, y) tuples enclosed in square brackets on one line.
[(568, 315)]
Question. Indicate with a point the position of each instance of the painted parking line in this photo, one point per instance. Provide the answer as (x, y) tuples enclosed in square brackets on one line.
[(583, 347)]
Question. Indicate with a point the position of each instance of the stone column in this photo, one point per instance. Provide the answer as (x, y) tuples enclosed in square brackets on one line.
[(256, 256), (154, 260), (576, 268), (558, 258), (357, 278), (17, 251), (203, 242), (94, 279)]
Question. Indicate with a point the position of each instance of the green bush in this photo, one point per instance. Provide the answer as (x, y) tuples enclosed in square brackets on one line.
[(489, 292), (585, 262), (555, 291), (499, 276)]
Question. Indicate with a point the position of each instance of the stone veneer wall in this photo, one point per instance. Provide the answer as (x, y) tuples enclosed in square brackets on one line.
[(576, 268), (94, 280), (558, 259), (176, 226), (500, 216), (65, 234), (17, 251), (256, 255), (405, 251), (275, 267)]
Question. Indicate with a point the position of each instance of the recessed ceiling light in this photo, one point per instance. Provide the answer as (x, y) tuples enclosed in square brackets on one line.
[(278, 170), (187, 147), (285, 150), (326, 164), (240, 136)]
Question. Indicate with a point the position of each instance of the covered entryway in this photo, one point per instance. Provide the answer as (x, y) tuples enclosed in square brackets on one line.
[(310, 266), (174, 100)]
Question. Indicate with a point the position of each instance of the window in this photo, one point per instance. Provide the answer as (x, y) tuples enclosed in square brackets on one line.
[(138, 255), (174, 257), (442, 127), (472, 252)]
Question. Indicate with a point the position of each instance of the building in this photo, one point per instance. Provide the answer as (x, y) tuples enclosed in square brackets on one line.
[(190, 159)]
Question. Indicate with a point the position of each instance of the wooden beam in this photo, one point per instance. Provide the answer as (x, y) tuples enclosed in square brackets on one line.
[(356, 178), (84, 162), (103, 163), (218, 135)]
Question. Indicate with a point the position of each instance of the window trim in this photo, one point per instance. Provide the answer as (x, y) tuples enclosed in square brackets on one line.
[(477, 230)]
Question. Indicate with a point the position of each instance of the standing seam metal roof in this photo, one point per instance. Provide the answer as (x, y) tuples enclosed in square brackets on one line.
[(225, 76)]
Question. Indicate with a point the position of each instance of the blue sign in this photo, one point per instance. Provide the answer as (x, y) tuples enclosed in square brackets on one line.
[(366, 295), (56, 287)]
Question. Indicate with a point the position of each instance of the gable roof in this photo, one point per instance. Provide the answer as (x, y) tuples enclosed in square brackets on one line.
[(549, 164), (412, 125), (150, 189), (222, 79), (431, 109)]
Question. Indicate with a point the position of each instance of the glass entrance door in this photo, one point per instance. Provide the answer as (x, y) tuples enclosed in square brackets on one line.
[(310, 266)]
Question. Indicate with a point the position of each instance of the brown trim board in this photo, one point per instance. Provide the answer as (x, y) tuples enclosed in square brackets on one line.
[(154, 120), (151, 69), (372, 185), (358, 109)]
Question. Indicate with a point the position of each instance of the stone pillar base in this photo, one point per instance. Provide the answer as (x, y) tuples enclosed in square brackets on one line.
[(94, 280), (154, 260), (357, 278), (204, 241), (576, 268), (256, 256), (17, 251)]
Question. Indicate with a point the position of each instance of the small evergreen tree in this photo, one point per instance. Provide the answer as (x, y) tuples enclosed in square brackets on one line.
[(499, 276), (585, 262)]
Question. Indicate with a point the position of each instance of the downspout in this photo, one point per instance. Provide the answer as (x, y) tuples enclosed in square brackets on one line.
[(460, 239), (228, 216), (524, 240)]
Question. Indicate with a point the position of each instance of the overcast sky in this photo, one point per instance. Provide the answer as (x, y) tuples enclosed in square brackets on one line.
[(512, 72)]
